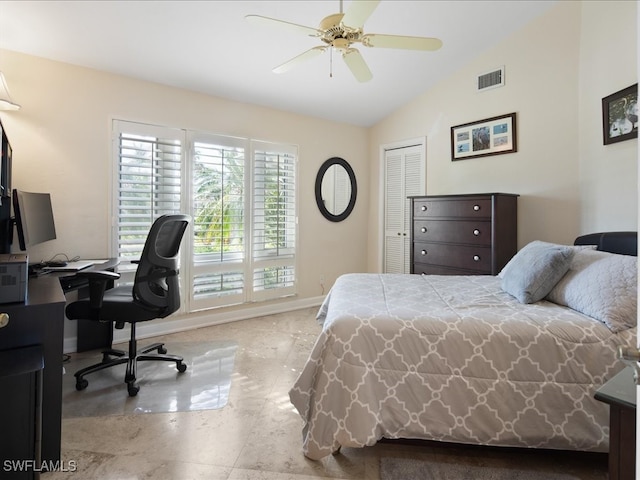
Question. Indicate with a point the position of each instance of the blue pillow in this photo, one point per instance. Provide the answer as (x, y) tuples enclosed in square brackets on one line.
[(535, 269)]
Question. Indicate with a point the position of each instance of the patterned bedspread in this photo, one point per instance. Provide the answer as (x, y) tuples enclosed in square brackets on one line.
[(453, 358)]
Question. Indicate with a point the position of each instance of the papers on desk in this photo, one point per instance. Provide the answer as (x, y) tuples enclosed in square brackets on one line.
[(71, 266)]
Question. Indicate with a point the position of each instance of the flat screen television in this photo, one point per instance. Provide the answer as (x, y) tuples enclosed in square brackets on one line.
[(33, 217)]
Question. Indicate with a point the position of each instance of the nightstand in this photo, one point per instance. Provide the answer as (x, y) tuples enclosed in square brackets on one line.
[(620, 394)]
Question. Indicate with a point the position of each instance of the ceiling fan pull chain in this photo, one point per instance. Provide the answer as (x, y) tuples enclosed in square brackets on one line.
[(330, 62)]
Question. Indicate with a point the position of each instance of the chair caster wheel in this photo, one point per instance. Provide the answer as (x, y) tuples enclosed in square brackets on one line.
[(133, 389), (182, 367), (162, 350), (81, 384)]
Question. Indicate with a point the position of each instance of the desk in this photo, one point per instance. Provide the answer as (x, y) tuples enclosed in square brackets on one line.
[(620, 394), (38, 321)]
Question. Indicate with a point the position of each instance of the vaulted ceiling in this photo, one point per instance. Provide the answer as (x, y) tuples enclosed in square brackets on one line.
[(209, 47)]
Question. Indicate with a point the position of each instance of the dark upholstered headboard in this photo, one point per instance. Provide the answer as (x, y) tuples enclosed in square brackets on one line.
[(624, 243)]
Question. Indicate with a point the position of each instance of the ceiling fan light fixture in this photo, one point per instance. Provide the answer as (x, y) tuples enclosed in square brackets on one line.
[(341, 44)]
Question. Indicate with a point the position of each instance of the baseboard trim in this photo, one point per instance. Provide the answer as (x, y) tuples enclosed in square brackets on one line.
[(205, 318)]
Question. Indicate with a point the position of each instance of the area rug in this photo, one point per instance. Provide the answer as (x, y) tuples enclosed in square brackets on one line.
[(205, 385), (392, 468)]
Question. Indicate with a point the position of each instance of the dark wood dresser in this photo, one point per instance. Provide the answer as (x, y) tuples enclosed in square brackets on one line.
[(470, 234)]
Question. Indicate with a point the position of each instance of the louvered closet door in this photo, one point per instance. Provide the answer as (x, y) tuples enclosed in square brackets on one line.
[(404, 170)]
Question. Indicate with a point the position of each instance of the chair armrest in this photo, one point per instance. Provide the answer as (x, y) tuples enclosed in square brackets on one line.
[(98, 275), (98, 280)]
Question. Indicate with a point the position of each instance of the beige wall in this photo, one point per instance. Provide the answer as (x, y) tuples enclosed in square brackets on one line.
[(61, 142), (608, 63), (558, 68)]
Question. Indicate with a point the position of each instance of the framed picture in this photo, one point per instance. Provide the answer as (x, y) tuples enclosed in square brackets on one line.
[(620, 115), (493, 136)]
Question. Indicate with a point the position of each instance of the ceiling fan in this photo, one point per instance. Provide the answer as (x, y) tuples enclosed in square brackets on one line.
[(340, 31)]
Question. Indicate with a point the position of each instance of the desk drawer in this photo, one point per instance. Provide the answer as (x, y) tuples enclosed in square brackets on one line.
[(464, 208), (473, 258), (473, 232)]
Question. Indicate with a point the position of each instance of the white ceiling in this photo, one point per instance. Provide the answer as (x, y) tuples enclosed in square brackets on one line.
[(208, 46)]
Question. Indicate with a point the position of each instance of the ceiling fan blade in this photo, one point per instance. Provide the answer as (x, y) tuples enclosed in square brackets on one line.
[(288, 65), (357, 65), (358, 12), (274, 22), (400, 41)]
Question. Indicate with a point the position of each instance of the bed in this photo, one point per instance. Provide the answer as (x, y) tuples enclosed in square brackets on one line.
[(508, 360)]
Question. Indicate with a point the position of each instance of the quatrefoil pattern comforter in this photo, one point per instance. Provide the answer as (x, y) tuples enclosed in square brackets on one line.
[(456, 359)]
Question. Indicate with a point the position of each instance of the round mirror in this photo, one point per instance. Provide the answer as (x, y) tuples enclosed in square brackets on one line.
[(336, 189)]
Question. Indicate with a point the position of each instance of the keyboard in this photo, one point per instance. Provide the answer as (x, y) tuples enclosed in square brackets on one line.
[(71, 266)]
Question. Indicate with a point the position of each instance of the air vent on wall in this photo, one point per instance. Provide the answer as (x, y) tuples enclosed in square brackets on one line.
[(489, 80)]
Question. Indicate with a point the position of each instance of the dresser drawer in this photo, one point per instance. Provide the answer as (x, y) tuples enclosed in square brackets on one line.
[(473, 232), (468, 207), (428, 269), (455, 256)]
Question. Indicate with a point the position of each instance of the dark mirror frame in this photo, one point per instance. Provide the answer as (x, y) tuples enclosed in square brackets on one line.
[(354, 189)]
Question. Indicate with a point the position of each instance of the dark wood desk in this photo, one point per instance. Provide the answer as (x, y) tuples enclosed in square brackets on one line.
[(620, 394), (38, 321)]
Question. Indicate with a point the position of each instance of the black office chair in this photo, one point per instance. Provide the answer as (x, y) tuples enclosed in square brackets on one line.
[(155, 294)]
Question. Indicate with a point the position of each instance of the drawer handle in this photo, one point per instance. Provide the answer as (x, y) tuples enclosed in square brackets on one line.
[(476, 258), (423, 229), (4, 319), (423, 208), (399, 233), (423, 252), (476, 232), (476, 208)]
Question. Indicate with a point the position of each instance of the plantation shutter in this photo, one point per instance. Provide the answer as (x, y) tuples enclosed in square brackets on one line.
[(219, 206), (274, 226), (148, 183), (240, 194)]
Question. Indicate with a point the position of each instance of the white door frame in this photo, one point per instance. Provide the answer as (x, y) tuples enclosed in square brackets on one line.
[(412, 142)]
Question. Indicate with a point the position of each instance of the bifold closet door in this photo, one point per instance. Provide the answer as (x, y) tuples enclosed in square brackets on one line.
[(404, 176)]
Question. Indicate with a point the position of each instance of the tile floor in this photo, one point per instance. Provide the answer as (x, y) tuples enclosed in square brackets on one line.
[(257, 435)]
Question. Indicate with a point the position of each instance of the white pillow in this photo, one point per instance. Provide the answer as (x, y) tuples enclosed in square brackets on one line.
[(601, 285), (535, 269)]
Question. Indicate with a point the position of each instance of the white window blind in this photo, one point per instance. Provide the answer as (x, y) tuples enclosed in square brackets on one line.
[(274, 220), (148, 183), (241, 195), (219, 205)]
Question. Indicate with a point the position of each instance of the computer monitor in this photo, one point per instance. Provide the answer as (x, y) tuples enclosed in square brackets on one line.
[(33, 216)]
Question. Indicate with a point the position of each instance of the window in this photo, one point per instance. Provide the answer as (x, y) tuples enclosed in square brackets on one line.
[(274, 219), (241, 195), (148, 185)]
